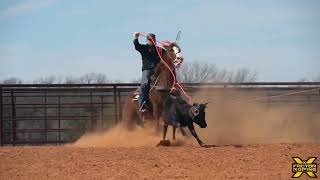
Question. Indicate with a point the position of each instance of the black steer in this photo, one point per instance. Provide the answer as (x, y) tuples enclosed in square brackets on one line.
[(178, 112)]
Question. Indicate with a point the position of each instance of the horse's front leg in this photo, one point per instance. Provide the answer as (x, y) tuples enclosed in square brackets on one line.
[(165, 128), (174, 132), (164, 142), (193, 132), (157, 116)]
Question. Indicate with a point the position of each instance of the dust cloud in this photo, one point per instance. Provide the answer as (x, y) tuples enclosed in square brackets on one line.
[(119, 136), (231, 119)]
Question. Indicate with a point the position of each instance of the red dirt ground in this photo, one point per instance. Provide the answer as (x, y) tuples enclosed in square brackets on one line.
[(270, 161)]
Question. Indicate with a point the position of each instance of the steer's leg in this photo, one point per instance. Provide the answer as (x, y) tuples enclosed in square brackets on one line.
[(193, 132), (183, 132)]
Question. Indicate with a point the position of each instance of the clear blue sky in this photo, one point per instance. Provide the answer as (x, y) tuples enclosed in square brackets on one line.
[(278, 39)]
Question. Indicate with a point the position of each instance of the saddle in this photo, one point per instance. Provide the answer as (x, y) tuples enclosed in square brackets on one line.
[(153, 85), (173, 94)]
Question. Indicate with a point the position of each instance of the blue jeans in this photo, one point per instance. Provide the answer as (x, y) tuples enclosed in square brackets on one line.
[(145, 86)]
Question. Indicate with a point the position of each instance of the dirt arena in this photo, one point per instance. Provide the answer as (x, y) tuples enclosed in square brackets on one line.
[(254, 142), (271, 161)]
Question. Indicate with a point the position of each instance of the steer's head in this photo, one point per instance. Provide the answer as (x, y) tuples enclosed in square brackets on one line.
[(198, 114)]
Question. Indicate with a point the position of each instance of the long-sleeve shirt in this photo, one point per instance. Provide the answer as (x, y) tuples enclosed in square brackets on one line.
[(150, 57)]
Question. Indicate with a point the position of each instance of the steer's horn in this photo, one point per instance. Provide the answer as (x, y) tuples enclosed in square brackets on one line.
[(205, 104)]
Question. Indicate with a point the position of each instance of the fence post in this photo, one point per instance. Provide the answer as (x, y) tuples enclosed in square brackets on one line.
[(13, 120), (119, 106), (102, 114), (91, 110), (115, 103), (45, 116), (1, 122), (59, 117)]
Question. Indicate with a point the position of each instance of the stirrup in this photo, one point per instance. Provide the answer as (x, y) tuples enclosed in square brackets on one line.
[(136, 97)]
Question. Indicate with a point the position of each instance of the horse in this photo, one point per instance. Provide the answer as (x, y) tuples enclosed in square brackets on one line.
[(163, 78)]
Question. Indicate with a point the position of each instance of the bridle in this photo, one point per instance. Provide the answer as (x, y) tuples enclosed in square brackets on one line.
[(178, 59)]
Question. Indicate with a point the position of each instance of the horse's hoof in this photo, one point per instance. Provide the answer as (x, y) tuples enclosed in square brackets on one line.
[(164, 143)]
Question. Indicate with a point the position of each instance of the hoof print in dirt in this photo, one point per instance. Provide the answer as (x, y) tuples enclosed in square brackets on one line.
[(164, 143)]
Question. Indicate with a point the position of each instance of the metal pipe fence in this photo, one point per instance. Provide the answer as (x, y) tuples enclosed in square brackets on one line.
[(60, 113)]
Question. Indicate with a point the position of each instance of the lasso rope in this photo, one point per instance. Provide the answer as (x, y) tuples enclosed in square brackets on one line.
[(269, 97), (175, 82), (282, 95)]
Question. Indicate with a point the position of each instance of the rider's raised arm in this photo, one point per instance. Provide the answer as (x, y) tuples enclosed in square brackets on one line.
[(139, 47)]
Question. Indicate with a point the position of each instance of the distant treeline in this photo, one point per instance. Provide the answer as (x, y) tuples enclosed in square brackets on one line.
[(193, 72)]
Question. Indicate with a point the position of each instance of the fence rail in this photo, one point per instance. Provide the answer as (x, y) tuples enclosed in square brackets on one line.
[(60, 113)]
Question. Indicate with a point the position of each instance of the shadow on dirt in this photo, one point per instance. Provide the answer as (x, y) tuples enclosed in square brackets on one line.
[(177, 143)]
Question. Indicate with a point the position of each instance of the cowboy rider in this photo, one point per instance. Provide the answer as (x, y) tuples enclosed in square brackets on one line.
[(150, 59)]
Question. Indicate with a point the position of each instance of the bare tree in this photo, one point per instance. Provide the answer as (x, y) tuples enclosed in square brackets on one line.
[(244, 75), (89, 78), (197, 72), (12, 80), (71, 80), (48, 80), (303, 80), (116, 81), (94, 78)]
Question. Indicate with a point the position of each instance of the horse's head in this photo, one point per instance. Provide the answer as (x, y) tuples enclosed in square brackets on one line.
[(198, 114), (174, 53), (164, 72)]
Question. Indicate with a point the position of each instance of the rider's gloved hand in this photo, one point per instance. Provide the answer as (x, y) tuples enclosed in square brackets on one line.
[(136, 35)]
